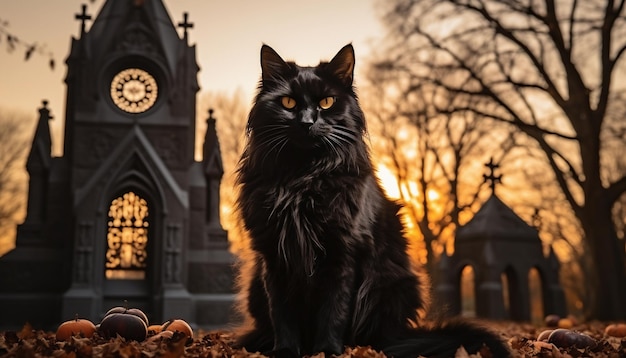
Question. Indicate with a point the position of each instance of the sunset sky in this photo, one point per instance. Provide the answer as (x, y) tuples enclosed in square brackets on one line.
[(228, 36)]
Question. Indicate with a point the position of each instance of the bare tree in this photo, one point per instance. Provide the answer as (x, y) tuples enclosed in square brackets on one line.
[(15, 133), (544, 206), (549, 68), (15, 43), (433, 156)]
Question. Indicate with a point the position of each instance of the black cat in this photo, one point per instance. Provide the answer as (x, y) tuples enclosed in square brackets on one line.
[(329, 267)]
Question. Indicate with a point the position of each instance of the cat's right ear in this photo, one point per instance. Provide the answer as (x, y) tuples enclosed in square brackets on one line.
[(273, 67)]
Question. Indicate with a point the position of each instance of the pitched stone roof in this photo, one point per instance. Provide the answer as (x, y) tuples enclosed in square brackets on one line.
[(495, 221)]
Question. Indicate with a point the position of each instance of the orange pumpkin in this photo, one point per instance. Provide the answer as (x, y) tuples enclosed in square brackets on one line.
[(154, 329), (77, 326), (178, 325), (616, 330), (565, 323), (128, 323), (161, 336)]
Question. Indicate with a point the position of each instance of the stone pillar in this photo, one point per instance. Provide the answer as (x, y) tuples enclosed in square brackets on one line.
[(447, 290), (554, 300), (489, 300), (554, 297), (176, 301), (82, 299), (520, 298)]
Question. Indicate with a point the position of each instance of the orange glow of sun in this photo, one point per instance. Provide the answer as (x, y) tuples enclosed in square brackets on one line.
[(388, 181), (407, 193)]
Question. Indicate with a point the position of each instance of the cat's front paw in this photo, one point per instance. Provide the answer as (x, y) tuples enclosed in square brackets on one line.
[(283, 353), (329, 348)]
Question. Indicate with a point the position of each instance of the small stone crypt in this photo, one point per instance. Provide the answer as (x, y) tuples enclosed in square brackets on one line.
[(126, 214), (497, 242)]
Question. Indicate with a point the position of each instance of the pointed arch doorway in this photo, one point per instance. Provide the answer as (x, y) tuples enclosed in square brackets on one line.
[(127, 268)]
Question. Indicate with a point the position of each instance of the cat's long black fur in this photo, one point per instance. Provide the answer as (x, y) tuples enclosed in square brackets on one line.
[(329, 267)]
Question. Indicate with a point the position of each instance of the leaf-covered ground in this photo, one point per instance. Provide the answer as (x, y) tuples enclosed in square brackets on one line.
[(521, 337)]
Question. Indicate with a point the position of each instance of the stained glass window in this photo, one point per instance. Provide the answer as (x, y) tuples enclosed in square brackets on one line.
[(127, 238)]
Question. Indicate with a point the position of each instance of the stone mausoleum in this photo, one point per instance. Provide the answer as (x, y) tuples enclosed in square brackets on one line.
[(497, 243), (126, 214)]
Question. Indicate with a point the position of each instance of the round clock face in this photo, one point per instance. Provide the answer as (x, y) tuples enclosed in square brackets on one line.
[(134, 90)]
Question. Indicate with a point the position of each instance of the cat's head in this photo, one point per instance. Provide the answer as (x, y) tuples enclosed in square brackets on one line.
[(306, 109)]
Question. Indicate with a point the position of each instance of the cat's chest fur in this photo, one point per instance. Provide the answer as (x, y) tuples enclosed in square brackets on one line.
[(320, 204), (311, 216)]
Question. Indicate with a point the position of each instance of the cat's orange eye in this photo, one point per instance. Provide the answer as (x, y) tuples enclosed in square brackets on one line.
[(327, 102), (288, 102)]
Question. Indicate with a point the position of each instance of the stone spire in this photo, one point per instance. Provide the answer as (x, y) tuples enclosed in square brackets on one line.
[(213, 171), (211, 154), (40, 153)]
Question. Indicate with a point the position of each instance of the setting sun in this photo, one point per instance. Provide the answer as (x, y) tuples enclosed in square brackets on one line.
[(388, 181)]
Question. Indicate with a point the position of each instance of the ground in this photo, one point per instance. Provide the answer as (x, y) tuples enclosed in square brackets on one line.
[(216, 344)]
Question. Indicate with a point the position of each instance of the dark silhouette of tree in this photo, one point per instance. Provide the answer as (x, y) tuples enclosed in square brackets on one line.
[(550, 69), (14, 43), (15, 133), (547, 210), (436, 158)]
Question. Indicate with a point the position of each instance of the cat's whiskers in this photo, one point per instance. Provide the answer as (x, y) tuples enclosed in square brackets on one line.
[(272, 137), (331, 144), (284, 142), (277, 143), (270, 140), (270, 130), (345, 133), (339, 140), (342, 139)]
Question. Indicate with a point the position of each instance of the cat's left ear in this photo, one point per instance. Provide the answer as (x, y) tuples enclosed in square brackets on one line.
[(342, 65), (273, 67)]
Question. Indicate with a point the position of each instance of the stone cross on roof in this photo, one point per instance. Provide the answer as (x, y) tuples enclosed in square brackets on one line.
[(491, 177), (185, 24), (82, 17)]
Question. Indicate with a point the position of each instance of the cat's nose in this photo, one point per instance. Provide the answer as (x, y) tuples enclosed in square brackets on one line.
[(306, 125), (307, 118)]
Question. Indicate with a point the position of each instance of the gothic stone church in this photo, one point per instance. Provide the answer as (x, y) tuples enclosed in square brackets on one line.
[(126, 214)]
